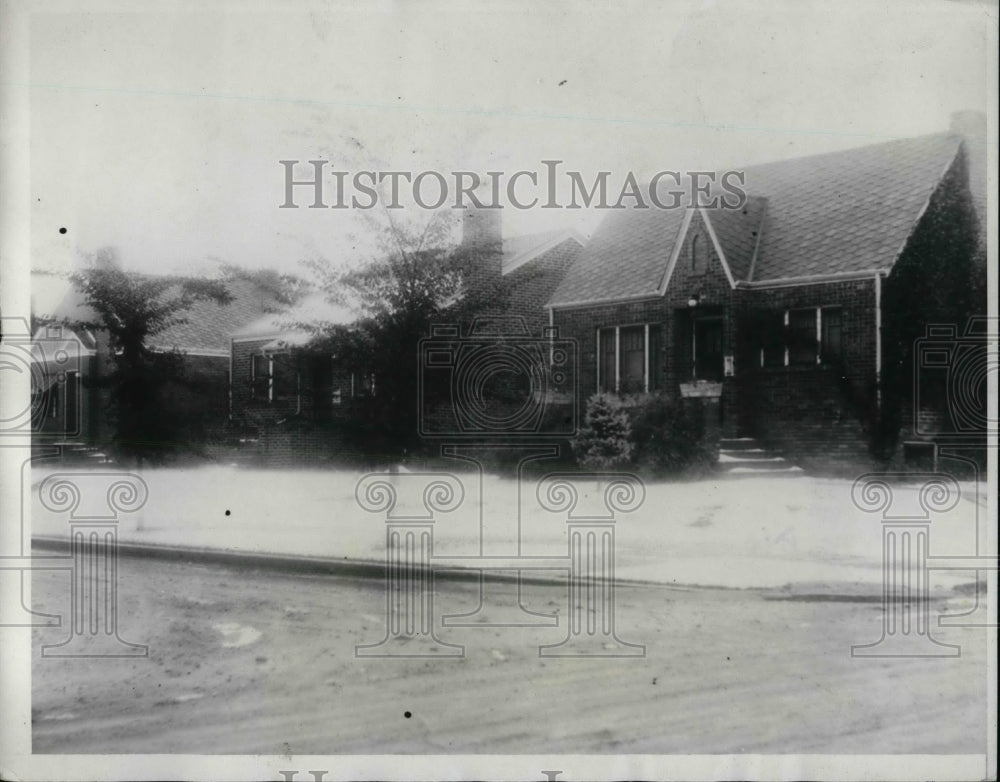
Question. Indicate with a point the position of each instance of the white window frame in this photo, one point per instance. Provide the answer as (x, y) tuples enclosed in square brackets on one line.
[(618, 355), (270, 375), (819, 331)]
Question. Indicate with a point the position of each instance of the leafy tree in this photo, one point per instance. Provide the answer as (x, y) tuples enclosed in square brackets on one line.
[(130, 308), (419, 278), (278, 287), (605, 439)]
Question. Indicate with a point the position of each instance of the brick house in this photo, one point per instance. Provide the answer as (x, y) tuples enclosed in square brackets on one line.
[(294, 400), (64, 407), (275, 375), (794, 311), (70, 405)]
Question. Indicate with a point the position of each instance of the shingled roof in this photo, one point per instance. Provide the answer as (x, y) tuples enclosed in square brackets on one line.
[(523, 249), (208, 325), (837, 213)]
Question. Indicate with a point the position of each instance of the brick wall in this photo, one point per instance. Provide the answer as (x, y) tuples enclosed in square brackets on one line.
[(938, 280), (804, 410), (799, 409), (531, 286), (672, 313), (307, 403), (288, 446)]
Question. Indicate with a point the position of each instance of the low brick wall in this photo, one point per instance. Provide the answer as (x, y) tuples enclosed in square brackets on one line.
[(806, 414)]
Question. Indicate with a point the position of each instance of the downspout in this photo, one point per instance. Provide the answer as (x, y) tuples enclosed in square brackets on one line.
[(878, 344)]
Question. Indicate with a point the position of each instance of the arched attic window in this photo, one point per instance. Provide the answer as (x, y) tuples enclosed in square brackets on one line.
[(699, 255)]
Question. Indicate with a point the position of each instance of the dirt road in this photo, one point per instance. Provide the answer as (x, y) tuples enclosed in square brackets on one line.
[(257, 662)]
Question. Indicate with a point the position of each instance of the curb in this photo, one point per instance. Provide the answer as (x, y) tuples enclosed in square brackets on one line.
[(294, 563), (344, 567), (371, 569)]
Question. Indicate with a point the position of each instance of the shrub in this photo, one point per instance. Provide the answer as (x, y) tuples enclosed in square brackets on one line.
[(667, 435), (604, 441)]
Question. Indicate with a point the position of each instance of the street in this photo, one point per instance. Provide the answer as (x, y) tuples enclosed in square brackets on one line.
[(257, 661)]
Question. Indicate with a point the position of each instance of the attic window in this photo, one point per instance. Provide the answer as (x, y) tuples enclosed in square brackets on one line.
[(699, 255)]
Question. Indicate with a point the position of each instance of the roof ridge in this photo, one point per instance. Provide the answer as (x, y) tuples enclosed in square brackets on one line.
[(846, 150)]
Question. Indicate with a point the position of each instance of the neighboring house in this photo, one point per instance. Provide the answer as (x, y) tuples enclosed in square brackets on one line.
[(203, 339), (65, 406), (281, 384), (70, 404), (790, 311), (276, 375)]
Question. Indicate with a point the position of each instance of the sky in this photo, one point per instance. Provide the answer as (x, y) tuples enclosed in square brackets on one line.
[(159, 132)]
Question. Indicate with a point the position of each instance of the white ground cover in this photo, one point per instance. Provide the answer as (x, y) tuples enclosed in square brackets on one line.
[(759, 531)]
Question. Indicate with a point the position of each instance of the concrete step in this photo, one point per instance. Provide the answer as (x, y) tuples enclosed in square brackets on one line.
[(748, 456), (790, 471), (739, 444), (80, 452), (744, 456)]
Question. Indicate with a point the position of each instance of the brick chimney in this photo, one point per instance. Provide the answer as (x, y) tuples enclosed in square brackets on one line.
[(971, 126), (482, 244), (481, 227)]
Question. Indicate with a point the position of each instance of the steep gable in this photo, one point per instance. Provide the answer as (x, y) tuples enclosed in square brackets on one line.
[(836, 214), (698, 266), (739, 233), (625, 259)]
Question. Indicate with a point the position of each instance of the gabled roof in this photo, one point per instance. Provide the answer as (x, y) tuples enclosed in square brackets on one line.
[(626, 257), (282, 328), (521, 250), (846, 211), (834, 214), (739, 232), (208, 324), (205, 332)]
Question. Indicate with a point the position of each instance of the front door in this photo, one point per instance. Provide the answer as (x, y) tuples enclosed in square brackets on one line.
[(708, 357)]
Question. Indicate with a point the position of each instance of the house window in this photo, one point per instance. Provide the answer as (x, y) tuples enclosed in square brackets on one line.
[(830, 341), (655, 354), (632, 349), (363, 384), (629, 359), (801, 337), (769, 338), (608, 381), (284, 376), (261, 378)]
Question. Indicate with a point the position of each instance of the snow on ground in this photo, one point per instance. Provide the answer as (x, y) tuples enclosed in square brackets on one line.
[(759, 531)]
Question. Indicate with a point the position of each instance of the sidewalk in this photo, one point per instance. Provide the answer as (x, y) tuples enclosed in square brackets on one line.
[(801, 533)]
